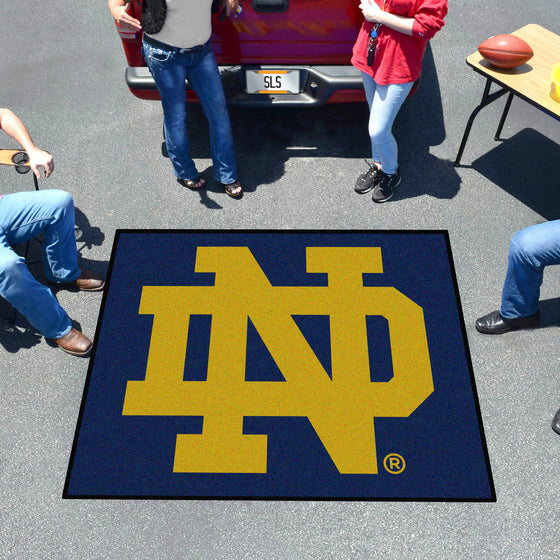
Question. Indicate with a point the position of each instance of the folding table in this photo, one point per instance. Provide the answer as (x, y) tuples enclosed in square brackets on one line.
[(530, 81)]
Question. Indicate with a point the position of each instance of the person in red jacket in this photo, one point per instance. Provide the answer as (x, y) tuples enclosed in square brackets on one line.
[(389, 51)]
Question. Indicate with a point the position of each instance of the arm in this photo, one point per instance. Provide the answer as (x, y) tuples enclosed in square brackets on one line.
[(427, 21), (13, 127), (122, 17), (230, 6), (372, 12)]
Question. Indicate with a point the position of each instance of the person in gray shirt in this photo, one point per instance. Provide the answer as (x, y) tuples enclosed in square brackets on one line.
[(177, 47)]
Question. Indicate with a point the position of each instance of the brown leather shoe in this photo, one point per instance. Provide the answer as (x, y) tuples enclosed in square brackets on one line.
[(88, 281), (75, 343)]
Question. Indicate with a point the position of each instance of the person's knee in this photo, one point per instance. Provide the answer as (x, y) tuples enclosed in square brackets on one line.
[(525, 246), (61, 205), (12, 271), (62, 199), (220, 113), (378, 135)]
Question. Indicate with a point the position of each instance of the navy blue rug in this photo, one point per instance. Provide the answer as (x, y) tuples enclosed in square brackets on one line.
[(281, 365)]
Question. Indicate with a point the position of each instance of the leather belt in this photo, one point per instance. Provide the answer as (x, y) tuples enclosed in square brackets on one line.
[(160, 45)]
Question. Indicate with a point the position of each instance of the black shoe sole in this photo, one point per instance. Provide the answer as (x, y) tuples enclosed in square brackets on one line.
[(380, 201), (502, 330), (364, 191), (529, 322), (369, 187)]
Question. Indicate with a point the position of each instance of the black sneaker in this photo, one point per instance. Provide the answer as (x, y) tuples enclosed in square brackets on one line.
[(386, 186), (366, 181)]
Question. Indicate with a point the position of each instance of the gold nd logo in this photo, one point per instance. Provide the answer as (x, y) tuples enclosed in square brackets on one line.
[(341, 410)]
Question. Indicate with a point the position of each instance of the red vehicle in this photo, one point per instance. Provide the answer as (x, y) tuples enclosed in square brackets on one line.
[(284, 52)]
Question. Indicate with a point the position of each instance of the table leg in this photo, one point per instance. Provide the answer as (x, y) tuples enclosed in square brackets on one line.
[(504, 116), (487, 98)]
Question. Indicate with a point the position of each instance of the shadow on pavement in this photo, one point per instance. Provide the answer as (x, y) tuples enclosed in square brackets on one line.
[(550, 312), (16, 336), (265, 138), (420, 125), (527, 166)]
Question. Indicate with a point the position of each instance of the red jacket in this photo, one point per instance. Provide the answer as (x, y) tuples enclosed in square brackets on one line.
[(398, 57)]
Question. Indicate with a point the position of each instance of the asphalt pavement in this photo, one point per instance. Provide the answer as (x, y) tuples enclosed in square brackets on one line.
[(62, 72)]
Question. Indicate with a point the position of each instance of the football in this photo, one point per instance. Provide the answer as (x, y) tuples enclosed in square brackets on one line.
[(505, 51)]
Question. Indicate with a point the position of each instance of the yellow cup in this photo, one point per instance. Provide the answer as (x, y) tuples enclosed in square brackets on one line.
[(555, 87)]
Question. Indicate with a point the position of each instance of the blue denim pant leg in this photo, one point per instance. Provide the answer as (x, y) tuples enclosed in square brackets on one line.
[(23, 216), (384, 103), (170, 69), (169, 75), (531, 250), (204, 77)]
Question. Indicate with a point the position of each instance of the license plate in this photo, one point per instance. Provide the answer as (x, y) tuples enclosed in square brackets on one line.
[(272, 81)]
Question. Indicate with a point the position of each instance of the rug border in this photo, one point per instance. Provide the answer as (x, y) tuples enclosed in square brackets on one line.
[(444, 232)]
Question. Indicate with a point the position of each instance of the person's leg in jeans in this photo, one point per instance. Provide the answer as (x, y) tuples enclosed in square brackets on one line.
[(22, 217), (204, 77), (384, 102), (531, 250), (169, 70)]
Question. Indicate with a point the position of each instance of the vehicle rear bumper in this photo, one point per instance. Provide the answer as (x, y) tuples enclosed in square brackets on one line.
[(318, 84)]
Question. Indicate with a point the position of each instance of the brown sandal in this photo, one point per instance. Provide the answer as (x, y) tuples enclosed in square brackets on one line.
[(235, 190), (193, 184)]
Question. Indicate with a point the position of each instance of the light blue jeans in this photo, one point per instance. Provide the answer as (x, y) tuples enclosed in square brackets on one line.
[(170, 67), (23, 216), (530, 250), (384, 104)]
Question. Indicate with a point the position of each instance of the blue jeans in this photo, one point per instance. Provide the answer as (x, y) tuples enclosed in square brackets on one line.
[(531, 249), (384, 104), (170, 68), (23, 216)]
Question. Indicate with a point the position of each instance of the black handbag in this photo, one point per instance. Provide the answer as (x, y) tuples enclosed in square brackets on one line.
[(153, 15)]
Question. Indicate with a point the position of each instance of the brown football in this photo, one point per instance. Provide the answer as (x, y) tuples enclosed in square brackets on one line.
[(505, 51)]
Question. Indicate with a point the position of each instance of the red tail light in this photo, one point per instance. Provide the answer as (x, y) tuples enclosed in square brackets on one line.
[(125, 34), (135, 11)]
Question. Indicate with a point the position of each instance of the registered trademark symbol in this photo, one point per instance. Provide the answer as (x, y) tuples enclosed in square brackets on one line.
[(394, 463)]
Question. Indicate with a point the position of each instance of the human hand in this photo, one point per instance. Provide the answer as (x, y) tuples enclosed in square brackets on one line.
[(39, 158), (371, 11), (230, 6), (123, 18)]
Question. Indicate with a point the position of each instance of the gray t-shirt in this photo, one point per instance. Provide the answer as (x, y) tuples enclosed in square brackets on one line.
[(187, 23)]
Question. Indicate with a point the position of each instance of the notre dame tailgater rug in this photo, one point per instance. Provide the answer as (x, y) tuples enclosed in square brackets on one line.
[(280, 365)]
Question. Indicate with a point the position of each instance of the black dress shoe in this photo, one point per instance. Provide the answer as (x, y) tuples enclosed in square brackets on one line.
[(494, 323), (556, 422)]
